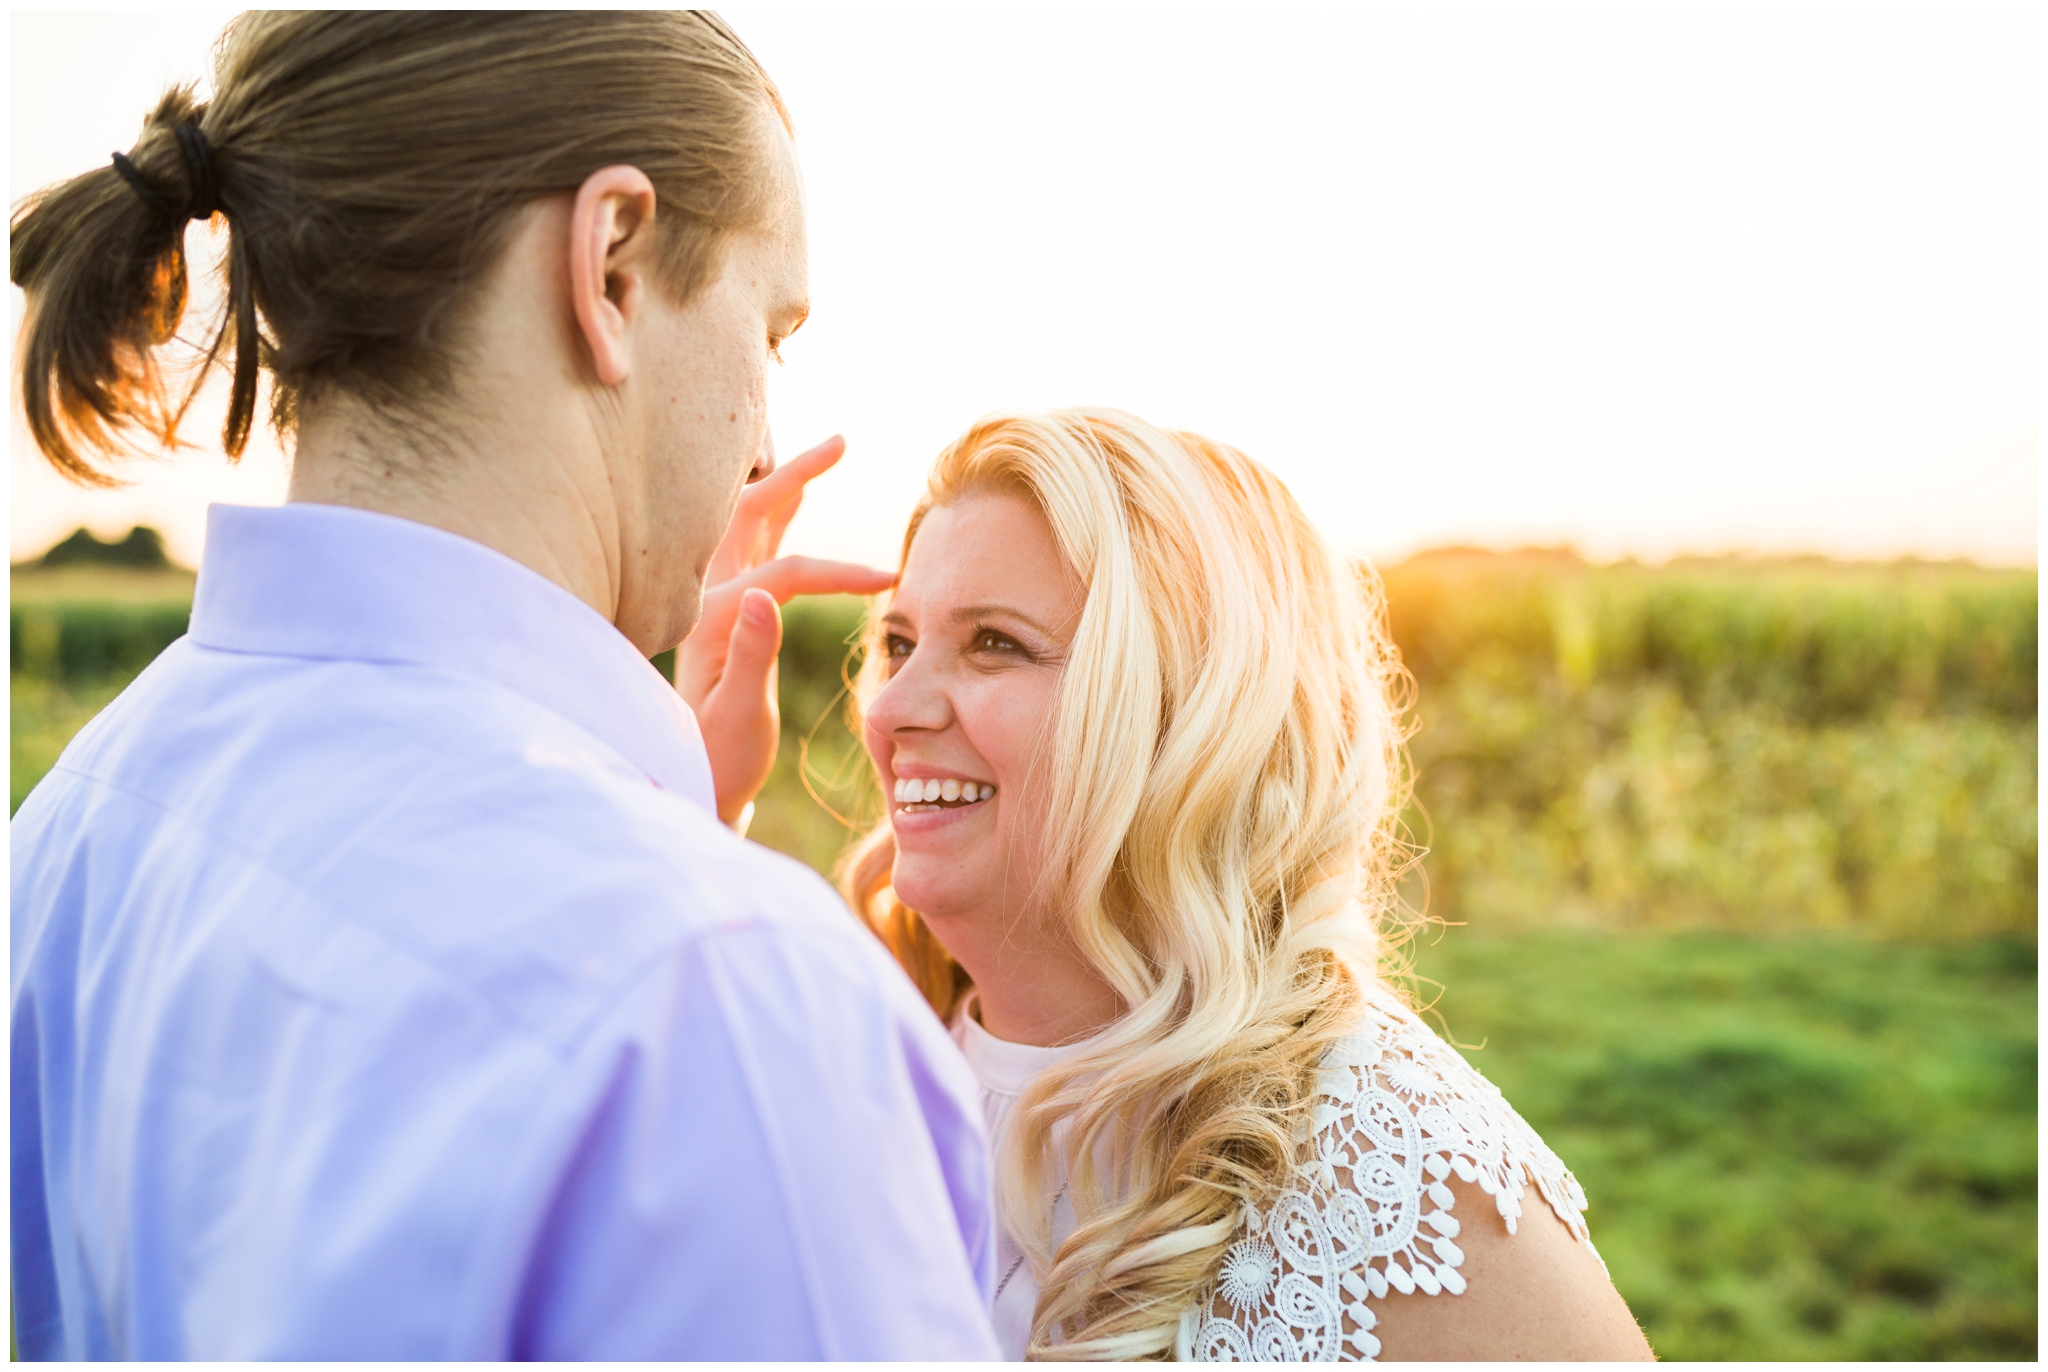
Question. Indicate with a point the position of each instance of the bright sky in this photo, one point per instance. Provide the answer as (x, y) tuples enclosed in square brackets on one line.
[(1647, 279)]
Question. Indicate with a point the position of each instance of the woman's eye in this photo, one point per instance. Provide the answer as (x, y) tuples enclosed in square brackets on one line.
[(896, 648), (989, 641)]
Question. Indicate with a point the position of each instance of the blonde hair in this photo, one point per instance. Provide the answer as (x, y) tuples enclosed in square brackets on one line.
[(1227, 778)]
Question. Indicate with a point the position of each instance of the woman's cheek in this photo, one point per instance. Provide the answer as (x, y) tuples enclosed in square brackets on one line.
[(1016, 743), (1008, 725)]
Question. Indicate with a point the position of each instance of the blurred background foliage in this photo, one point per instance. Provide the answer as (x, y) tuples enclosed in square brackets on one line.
[(1723, 745), (1732, 868)]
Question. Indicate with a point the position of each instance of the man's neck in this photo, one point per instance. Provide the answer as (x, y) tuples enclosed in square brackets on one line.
[(512, 493)]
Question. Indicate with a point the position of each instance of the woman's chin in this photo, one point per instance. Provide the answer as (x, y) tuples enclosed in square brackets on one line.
[(934, 890), (943, 858)]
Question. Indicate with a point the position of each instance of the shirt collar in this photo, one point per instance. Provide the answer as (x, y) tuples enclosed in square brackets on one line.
[(324, 581)]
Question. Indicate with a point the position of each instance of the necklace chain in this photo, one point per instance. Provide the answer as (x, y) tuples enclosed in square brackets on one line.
[(1058, 1196)]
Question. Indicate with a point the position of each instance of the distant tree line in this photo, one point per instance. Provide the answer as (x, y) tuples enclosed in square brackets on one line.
[(143, 548)]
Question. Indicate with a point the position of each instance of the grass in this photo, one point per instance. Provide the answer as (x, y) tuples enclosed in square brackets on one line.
[(1805, 1147)]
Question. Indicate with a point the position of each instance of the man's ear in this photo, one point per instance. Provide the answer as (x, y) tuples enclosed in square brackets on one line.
[(611, 250)]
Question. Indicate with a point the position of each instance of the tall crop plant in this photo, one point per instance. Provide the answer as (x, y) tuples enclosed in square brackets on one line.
[(1736, 746)]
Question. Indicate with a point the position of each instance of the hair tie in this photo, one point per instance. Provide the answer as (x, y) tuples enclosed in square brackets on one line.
[(203, 202), (205, 199)]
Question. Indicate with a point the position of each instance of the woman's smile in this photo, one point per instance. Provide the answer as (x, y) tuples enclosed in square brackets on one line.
[(930, 793), (932, 804)]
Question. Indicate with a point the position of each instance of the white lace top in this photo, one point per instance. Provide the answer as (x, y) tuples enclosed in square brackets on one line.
[(1398, 1113)]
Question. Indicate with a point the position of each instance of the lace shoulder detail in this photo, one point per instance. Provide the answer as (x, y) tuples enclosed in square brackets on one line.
[(1397, 1113)]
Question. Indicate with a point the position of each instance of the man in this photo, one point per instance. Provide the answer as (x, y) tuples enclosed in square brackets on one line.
[(385, 981)]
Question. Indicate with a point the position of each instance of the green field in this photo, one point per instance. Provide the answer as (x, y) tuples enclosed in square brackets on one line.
[(1807, 1146), (1734, 872)]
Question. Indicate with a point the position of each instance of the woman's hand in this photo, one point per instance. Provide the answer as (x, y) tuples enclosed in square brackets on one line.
[(725, 669)]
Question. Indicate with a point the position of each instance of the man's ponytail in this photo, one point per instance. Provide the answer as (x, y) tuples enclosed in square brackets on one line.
[(102, 260)]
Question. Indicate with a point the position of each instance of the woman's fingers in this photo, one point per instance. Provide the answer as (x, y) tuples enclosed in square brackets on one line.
[(765, 509), (794, 576), (739, 715), (806, 465), (785, 485), (701, 661), (726, 668)]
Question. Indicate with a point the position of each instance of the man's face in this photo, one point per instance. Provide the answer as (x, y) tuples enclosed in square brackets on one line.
[(702, 416)]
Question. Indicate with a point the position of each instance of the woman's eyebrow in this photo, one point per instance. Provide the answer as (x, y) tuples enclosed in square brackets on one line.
[(966, 612)]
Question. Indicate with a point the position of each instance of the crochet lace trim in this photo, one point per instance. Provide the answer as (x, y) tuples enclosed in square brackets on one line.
[(1397, 1114)]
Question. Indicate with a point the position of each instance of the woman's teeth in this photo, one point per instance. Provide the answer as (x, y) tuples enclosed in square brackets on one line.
[(930, 793)]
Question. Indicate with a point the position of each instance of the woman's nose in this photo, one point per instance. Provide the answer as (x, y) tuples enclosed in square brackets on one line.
[(911, 699), (764, 461)]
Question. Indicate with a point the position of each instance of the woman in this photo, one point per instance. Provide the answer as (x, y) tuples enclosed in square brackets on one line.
[(1138, 735)]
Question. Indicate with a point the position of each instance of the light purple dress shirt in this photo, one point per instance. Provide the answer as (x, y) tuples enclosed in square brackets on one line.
[(384, 986)]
